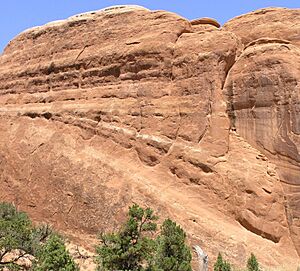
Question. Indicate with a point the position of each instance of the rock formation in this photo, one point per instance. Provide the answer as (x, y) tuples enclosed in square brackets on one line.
[(130, 105), (263, 90)]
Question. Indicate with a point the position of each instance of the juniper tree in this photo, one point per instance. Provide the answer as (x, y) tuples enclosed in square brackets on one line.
[(221, 265), (53, 255), (130, 248), (172, 252), (16, 236), (252, 263)]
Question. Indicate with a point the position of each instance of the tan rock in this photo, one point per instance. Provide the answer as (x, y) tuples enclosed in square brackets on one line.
[(204, 24), (279, 23), (263, 87), (127, 105)]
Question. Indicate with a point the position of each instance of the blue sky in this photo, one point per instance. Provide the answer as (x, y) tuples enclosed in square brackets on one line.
[(18, 15)]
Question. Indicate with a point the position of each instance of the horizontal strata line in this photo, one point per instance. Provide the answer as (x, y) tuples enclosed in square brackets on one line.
[(73, 100), (133, 108), (109, 85), (90, 99), (84, 93), (92, 73), (89, 83), (42, 101), (117, 91), (42, 108), (78, 69)]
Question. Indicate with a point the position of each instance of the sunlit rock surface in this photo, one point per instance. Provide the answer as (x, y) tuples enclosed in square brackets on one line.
[(130, 105)]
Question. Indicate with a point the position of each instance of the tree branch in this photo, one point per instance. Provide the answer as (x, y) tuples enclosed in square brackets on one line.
[(81, 255), (14, 260), (3, 254)]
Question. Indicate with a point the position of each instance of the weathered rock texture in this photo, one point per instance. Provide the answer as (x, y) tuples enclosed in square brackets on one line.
[(130, 105), (263, 89)]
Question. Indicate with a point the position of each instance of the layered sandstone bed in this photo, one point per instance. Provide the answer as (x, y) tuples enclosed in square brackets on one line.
[(130, 105)]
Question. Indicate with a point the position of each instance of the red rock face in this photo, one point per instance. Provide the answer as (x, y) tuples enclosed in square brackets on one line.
[(263, 88), (130, 105)]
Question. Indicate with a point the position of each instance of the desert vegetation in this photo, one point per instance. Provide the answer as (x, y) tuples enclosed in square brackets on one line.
[(24, 246), (138, 245), (134, 247)]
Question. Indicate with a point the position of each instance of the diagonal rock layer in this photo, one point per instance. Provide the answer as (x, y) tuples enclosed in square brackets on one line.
[(130, 105)]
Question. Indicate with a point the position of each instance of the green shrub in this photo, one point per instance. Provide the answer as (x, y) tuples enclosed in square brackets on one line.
[(130, 248), (53, 256), (16, 236), (252, 263), (172, 252), (19, 238), (221, 265)]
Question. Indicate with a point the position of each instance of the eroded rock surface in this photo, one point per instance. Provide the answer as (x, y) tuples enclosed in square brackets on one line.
[(280, 23), (129, 105), (263, 90)]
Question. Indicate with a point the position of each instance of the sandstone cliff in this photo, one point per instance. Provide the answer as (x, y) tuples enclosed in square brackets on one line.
[(130, 105)]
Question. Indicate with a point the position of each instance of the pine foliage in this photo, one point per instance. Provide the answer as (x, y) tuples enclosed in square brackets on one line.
[(172, 252), (130, 248), (252, 263), (53, 255), (221, 265)]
